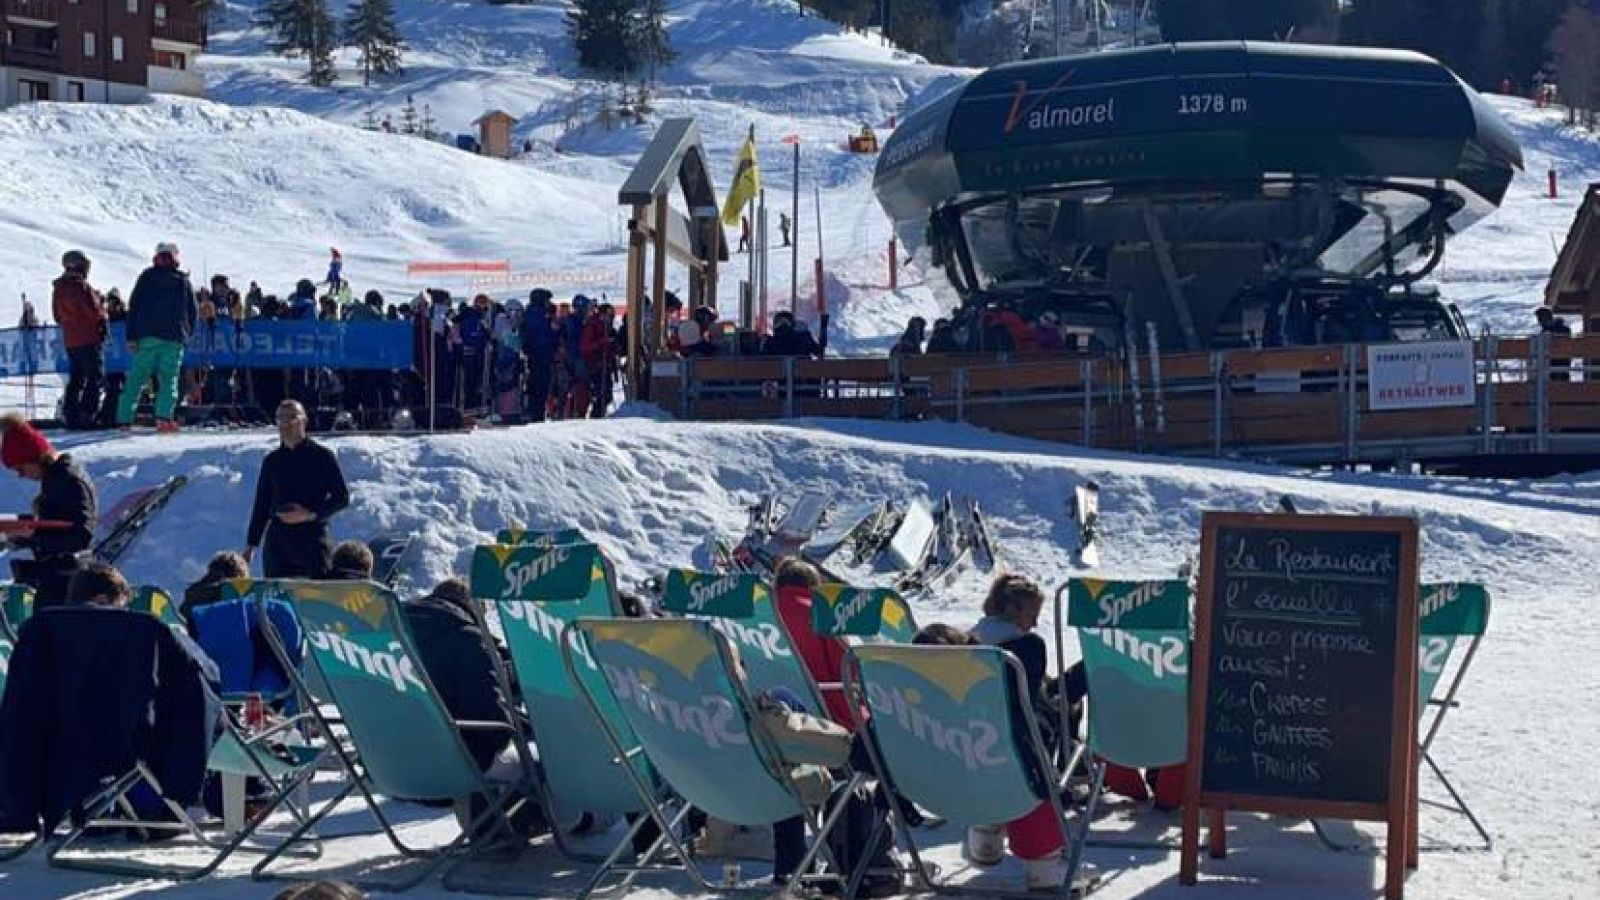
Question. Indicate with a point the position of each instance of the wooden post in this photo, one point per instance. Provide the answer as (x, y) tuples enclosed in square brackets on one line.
[(894, 269), (1552, 184), (637, 372), (658, 288)]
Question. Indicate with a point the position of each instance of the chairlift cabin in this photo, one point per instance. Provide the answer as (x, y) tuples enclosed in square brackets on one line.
[(1178, 178)]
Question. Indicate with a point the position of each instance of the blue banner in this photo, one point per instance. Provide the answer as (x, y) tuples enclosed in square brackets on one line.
[(255, 345)]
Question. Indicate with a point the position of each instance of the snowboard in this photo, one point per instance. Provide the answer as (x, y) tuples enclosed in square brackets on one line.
[(1086, 516), (845, 528)]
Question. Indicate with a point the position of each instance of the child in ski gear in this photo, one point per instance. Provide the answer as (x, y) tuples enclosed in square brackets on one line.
[(1010, 613), (161, 316), (65, 495), (508, 383), (78, 309), (299, 490)]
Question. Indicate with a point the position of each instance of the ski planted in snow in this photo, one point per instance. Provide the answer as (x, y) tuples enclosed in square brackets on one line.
[(389, 551), (980, 539), (1086, 515), (127, 520)]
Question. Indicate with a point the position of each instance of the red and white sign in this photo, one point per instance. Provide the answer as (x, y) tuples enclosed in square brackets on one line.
[(1420, 375)]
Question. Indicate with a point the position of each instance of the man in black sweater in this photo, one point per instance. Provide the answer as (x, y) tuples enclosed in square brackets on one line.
[(299, 489), (65, 495)]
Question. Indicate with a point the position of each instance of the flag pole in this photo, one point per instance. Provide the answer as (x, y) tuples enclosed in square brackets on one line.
[(794, 230)]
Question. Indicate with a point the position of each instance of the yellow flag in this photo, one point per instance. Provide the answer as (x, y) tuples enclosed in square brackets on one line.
[(746, 183)]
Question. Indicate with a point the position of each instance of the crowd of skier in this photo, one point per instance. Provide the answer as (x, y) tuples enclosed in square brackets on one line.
[(507, 361)]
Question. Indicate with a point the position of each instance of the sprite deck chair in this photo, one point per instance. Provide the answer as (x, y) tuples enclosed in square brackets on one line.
[(537, 591), (156, 602), (409, 745), (1134, 636), (745, 611), (674, 682), (1453, 613), (953, 733), (16, 607)]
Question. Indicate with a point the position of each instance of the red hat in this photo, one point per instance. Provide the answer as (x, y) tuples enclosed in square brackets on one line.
[(22, 444)]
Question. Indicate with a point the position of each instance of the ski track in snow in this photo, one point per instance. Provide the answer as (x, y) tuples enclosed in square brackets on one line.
[(650, 490)]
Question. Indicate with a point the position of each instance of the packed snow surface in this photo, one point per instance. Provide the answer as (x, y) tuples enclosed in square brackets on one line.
[(649, 491)]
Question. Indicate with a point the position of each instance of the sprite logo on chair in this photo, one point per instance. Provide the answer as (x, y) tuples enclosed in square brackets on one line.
[(667, 685), (348, 627), (927, 697), (692, 593), (1144, 622), (532, 573), (838, 609)]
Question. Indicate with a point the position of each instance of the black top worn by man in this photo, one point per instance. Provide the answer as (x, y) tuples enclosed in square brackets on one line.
[(300, 488)]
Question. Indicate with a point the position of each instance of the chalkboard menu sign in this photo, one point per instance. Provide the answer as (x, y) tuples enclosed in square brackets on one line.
[(1303, 697)]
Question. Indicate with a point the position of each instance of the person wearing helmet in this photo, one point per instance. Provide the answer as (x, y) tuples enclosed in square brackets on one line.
[(161, 316), (81, 314), (577, 405)]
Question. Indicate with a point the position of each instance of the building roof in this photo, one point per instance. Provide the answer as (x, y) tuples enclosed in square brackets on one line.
[(1575, 281), (494, 114)]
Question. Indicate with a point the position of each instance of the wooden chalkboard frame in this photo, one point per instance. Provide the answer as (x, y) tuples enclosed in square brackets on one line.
[(1400, 809)]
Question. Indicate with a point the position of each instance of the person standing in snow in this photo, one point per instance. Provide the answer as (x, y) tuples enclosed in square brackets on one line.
[(744, 234), (577, 404), (161, 316), (299, 490), (475, 329), (599, 348), (540, 338), (783, 227), (82, 316), (65, 495), (335, 270)]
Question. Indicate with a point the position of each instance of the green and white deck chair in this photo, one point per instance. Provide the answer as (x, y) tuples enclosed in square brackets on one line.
[(537, 592), (947, 737), (860, 615), (1134, 637), (674, 682), (409, 745), (1453, 614), (516, 536), (745, 611), (16, 607), (157, 602)]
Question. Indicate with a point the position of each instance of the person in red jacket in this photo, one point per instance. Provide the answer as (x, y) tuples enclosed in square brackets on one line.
[(81, 313), (823, 656), (598, 345)]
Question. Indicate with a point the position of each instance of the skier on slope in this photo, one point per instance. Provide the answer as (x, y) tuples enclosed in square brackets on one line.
[(65, 495), (299, 489)]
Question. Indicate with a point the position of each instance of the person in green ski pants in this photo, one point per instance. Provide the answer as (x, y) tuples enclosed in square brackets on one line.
[(161, 316)]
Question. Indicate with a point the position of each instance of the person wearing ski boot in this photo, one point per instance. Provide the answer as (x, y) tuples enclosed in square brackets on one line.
[(299, 490), (540, 340), (79, 311), (577, 405), (65, 495), (475, 330), (161, 315), (1010, 614)]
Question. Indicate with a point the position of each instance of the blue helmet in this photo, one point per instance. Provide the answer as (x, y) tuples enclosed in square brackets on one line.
[(580, 302)]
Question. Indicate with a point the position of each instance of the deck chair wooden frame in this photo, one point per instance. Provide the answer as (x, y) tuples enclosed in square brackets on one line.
[(765, 749), (856, 689), (503, 800)]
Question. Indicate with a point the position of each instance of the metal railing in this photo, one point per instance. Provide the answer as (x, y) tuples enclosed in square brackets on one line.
[(41, 10), (1538, 395), (182, 31)]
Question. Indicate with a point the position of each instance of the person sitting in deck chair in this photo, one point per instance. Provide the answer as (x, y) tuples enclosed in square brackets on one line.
[(116, 692), (1010, 613), (453, 647)]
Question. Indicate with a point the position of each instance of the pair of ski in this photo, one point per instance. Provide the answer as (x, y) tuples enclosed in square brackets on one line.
[(960, 536)]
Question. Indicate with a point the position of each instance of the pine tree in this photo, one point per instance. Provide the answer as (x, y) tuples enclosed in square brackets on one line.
[(654, 45), (408, 116), (1575, 63), (370, 28), (606, 34), (302, 28)]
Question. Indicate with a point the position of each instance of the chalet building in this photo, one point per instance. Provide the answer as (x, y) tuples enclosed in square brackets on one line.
[(99, 51)]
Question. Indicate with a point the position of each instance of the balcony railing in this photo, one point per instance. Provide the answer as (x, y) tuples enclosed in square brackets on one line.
[(42, 10), (181, 31), (41, 58)]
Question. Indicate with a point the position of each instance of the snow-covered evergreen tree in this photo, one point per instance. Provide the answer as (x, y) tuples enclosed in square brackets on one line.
[(303, 28)]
